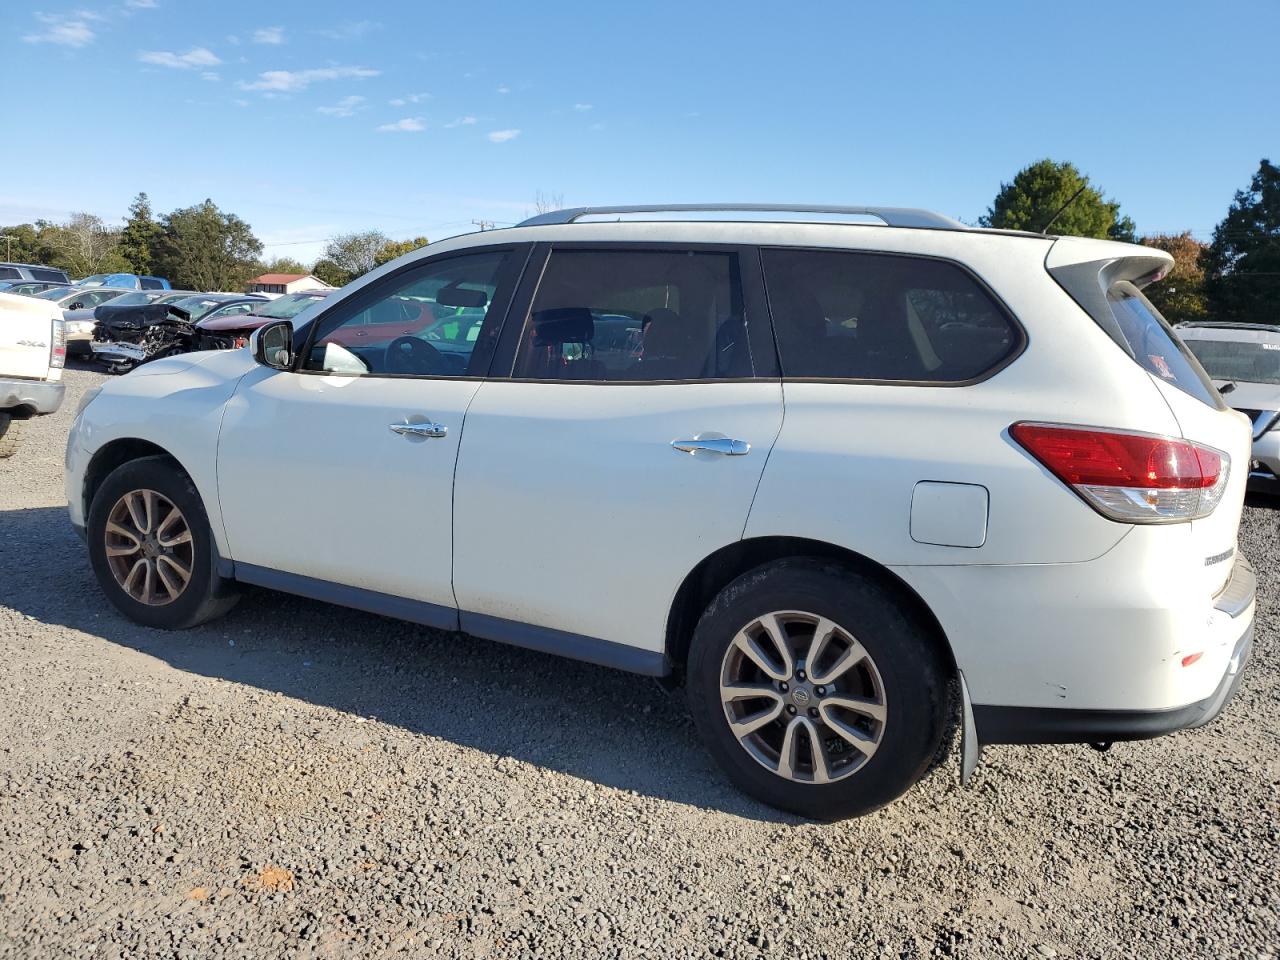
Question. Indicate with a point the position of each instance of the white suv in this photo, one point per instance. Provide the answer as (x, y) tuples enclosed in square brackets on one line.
[(848, 480)]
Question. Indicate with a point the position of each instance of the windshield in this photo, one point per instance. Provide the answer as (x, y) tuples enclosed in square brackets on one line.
[(131, 299), (197, 307), (288, 307), (97, 278), (53, 293), (1250, 361)]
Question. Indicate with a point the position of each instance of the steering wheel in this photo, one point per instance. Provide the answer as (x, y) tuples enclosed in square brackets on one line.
[(413, 356)]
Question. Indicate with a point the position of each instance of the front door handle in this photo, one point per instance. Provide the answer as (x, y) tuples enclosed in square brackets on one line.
[(721, 445), (419, 430)]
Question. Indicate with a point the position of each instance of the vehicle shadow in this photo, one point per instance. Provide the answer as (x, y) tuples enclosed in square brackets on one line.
[(609, 727)]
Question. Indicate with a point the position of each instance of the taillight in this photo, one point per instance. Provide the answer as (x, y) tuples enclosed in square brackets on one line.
[(58, 347), (1130, 477)]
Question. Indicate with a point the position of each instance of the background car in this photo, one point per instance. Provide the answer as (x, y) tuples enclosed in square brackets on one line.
[(130, 281), (235, 327), (28, 288), (80, 302), (81, 322), (32, 271), (1244, 361)]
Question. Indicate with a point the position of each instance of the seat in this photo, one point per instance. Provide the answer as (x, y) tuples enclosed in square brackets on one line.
[(554, 328)]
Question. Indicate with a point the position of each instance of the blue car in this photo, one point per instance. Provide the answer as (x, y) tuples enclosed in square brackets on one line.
[(129, 281)]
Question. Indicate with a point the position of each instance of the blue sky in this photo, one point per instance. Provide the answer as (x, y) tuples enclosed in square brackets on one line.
[(312, 118)]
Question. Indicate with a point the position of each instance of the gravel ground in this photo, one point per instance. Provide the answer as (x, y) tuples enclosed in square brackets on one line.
[(301, 780)]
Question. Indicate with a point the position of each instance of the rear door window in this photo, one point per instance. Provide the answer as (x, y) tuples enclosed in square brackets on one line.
[(880, 317), (636, 316), (1148, 338)]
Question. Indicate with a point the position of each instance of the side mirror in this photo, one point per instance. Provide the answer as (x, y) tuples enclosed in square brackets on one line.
[(272, 345)]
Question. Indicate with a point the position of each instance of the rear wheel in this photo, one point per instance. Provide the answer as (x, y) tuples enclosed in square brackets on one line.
[(10, 434), (815, 690), (151, 547)]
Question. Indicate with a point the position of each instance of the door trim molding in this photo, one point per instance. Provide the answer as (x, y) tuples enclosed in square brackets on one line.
[(605, 653)]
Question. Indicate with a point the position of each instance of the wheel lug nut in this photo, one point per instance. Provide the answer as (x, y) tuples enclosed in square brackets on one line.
[(783, 686), (813, 712), (791, 710), (821, 691), (800, 675)]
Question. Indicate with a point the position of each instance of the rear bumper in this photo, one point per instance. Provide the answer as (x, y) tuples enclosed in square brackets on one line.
[(1000, 724), (38, 396), (1048, 725)]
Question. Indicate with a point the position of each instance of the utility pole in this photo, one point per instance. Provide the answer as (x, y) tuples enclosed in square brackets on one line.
[(483, 224), (8, 246)]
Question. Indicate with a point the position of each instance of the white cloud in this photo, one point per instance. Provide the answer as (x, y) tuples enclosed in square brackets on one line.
[(502, 136), (273, 36), (411, 98), (350, 31), (292, 81), (583, 107), (195, 57), (343, 108), (233, 40), (211, 76), (460, 122), (503, 88), (141, 4), (65, 31), (240, 103), (407, 125)]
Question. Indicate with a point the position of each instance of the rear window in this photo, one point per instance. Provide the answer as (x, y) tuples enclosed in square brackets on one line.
[(1151, 342), (151, 283), (48, 276), (881, 317), (1254, 361)]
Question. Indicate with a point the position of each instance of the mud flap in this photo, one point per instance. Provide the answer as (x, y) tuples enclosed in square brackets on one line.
[(970, 749)]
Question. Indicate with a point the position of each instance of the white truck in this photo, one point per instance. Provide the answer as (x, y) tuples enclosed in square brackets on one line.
[(33, 351)]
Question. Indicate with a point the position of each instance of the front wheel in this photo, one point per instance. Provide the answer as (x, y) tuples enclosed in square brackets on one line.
[(10, 435), (816, 690), (151, 548)]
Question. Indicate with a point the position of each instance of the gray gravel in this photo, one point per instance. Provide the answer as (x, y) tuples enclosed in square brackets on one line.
[(301, 780)]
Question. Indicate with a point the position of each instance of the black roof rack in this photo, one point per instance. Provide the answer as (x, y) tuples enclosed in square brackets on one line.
[(889, 216)]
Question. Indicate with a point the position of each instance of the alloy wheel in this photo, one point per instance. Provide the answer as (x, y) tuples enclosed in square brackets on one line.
[(803, 697), (149, 548)]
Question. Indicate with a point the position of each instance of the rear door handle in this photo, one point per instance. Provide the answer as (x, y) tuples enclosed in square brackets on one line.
[(419, 430), (721, 445)]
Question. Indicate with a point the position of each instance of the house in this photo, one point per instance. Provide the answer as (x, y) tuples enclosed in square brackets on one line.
[(285, 283)]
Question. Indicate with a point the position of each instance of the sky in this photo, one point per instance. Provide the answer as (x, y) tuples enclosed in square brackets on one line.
[(309, 119)]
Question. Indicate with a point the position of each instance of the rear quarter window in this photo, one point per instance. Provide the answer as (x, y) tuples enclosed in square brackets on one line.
[(10, 273), (1148, 338), (883, 317), (49, 276)]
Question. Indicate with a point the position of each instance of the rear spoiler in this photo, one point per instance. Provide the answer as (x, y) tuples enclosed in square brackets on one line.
[(1087, 269)]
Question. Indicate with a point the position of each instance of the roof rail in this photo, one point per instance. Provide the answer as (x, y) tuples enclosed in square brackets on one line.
[(890, 216)]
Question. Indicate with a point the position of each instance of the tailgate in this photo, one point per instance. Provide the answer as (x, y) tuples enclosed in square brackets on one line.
[(26, 336)]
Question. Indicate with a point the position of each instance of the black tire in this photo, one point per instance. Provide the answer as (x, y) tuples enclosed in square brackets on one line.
[(206, 595), (913, 674), (10, 435)]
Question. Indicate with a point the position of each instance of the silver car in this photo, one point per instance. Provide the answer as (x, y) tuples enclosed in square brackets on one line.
[(1244, 361)]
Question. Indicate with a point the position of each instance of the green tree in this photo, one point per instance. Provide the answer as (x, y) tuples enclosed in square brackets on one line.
[(353, 254), (140, 235), (282, 265), (329, 272), (1243, 261), (1180, 295), (397, 248), (1042, 189), (20, 243), (203, 248)]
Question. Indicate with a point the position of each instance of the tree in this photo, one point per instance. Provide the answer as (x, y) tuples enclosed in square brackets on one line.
[(140, 235), (202, 248), (352, 255), (1243, 261), (397, 248), (1042, 189), (20, 243), (82, 246), (1181, 294), (329, 272), (283, 265)]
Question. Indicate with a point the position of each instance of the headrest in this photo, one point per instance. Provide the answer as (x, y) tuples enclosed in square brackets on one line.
[(664, 334), (563, 325)]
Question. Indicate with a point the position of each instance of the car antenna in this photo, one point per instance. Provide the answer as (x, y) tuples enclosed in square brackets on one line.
[(1063, 209)]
